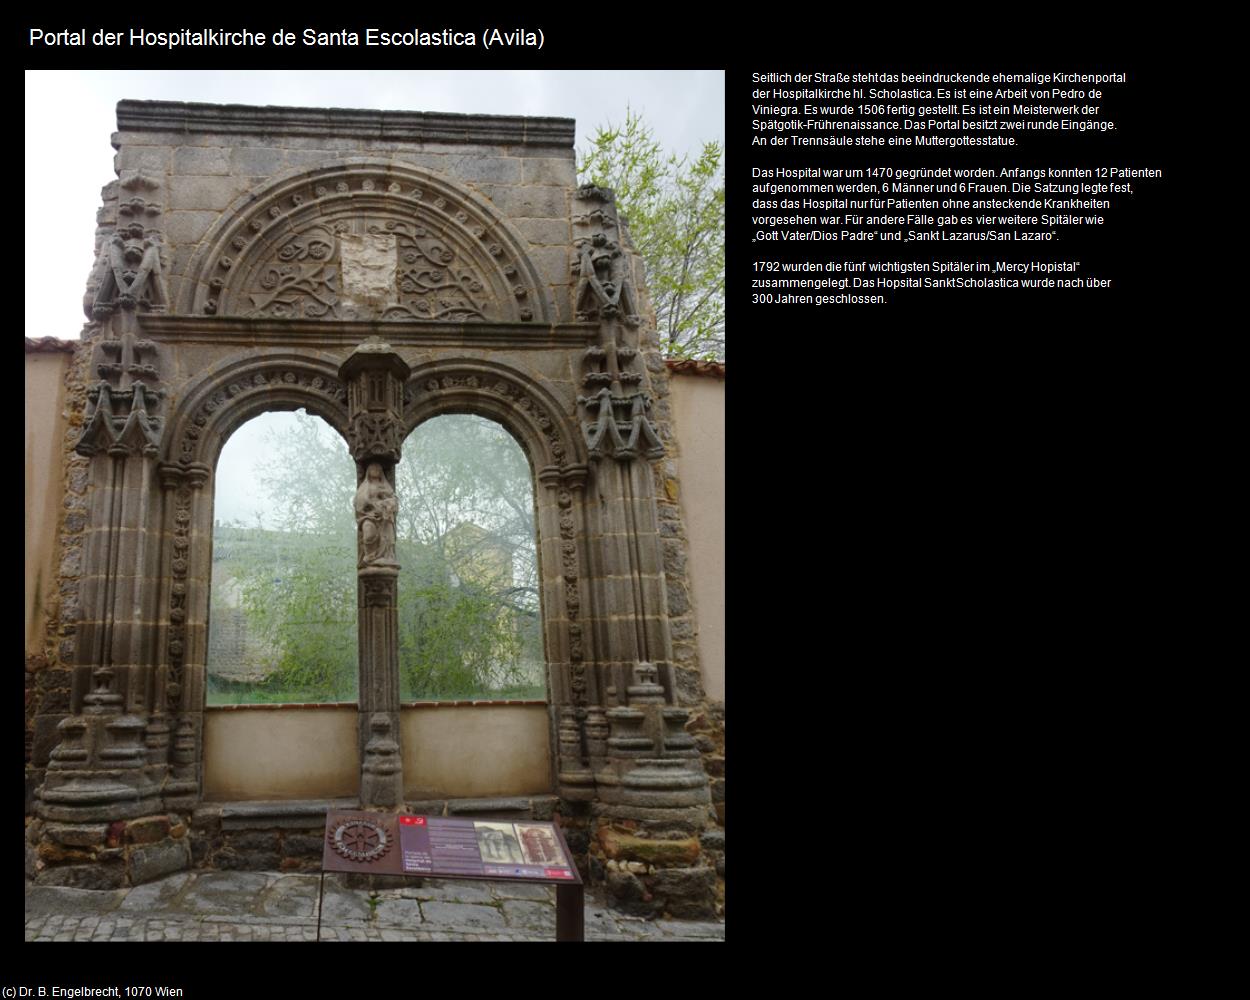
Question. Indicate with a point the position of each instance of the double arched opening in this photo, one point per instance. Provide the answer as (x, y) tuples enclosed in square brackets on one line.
[(279, 659), (283, 595)]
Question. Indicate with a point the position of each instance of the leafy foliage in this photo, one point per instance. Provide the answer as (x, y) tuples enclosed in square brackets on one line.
[(675, 214), (469, 622)]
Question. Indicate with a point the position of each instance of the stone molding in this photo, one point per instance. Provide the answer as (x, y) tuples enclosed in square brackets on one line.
[(396, 126), (338, 335), (229, 394), (539, 422)]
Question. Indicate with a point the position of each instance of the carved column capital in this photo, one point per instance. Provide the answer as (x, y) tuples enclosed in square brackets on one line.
[(375, 377), (571, 477), (175, 474)]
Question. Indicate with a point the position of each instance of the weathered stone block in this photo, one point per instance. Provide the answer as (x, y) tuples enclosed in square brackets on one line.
[(485, 169), (303, 844), (230, 860), (718, 790), (201, 160), (54, 702), (254, 841), (430, 807), (188, 227), (689, 684), (247, 161), (549, 170), (206, 818), (545, 232), (200, 848), (152, 160), (689, 893), (544, 808), (577, 839), (713, 840), (681, 629), (153, 861), (110, 875), (674, 557), (552, 263), (627, 893), (715, 766), (52, 853), (621, 846), (528, 202), (77, 835), (47, 736), (147, 829), (78, 478), (51, 679), (206, 193)]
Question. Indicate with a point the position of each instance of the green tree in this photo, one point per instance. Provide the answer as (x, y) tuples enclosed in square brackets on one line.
[(674, 209), (283, 618), (468, 614), (469, 608)]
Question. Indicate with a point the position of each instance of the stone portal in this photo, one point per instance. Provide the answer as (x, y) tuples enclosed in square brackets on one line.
[(376, 269)]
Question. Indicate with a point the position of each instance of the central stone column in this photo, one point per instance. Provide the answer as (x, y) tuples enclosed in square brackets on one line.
[(375, 376)]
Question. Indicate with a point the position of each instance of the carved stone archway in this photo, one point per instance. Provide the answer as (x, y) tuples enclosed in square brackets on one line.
[(468, 274)]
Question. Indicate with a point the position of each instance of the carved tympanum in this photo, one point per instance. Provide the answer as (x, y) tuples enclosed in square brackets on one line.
[(364, 242)]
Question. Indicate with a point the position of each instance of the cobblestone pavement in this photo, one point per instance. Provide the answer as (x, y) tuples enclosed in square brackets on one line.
[(268, 906)]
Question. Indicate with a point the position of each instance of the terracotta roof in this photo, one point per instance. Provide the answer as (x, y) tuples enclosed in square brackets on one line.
[(685, 366), (49, 345)]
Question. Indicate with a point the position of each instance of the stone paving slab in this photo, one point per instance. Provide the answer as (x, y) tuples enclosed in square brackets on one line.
[(157, 897), (226, 893), (48, 900), (530, 915), (272, 906), (463, 916)]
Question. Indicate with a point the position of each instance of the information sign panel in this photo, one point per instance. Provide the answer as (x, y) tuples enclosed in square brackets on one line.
[(442, 847)]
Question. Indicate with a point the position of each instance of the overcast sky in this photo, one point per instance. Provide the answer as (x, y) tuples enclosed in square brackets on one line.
[(70, 116)]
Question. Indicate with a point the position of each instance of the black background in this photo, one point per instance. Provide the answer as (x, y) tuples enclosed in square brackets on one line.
[(941, 512)]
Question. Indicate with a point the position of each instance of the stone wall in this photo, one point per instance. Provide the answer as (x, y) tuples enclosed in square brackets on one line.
[(524, 167), (55, 498), (698, 394)]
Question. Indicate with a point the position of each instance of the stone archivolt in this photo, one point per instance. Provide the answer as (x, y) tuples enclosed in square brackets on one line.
[(363, 240), (493, 390), (234, 393)]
